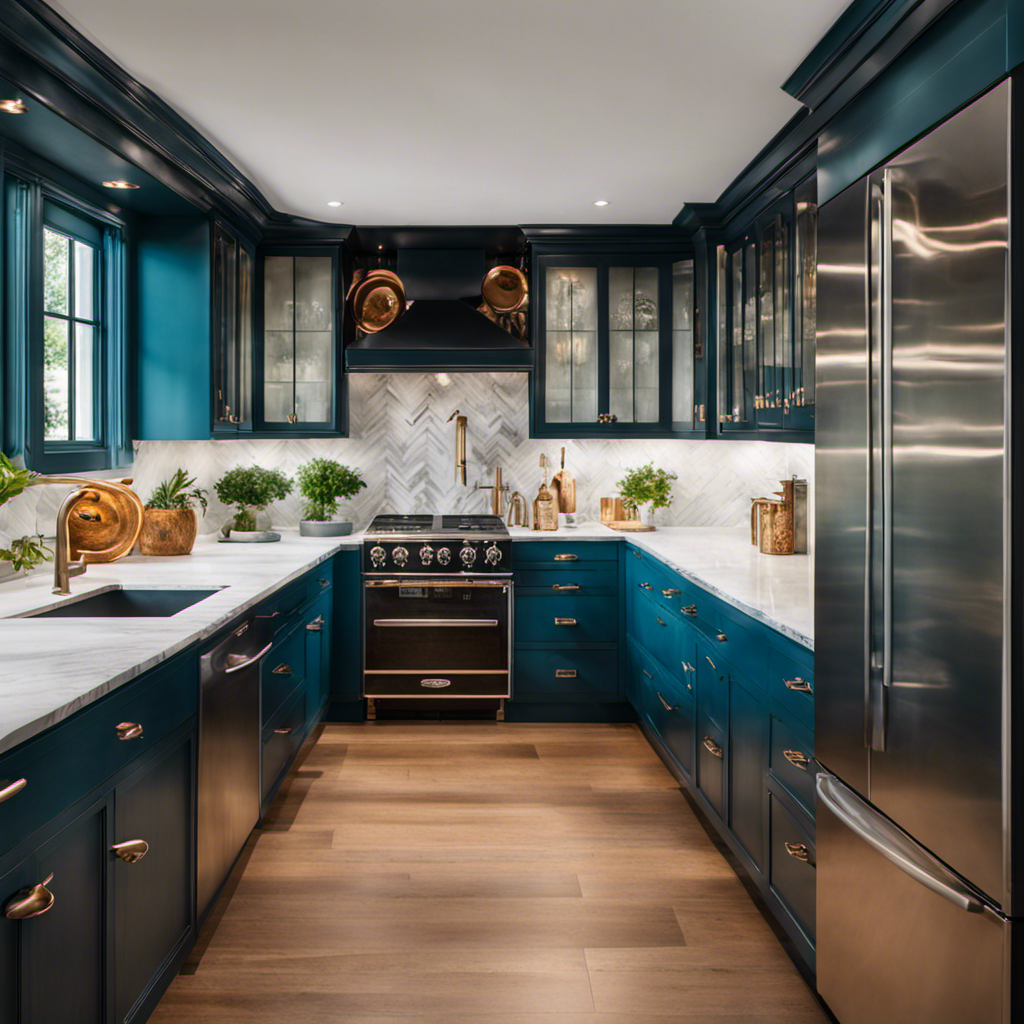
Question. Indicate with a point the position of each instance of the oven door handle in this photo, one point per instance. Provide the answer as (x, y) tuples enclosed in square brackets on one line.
[(437, 623), (413, 582)]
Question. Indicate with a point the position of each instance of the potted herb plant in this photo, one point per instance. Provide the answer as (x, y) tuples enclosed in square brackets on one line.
[(169, 525), (251, 489), (25, 553), (323, 483), (644, 489)]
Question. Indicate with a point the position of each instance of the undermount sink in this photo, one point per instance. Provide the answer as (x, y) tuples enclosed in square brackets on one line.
[(119, 603)]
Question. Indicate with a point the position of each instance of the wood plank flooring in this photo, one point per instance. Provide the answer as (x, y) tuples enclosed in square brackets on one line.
[(485, 873)]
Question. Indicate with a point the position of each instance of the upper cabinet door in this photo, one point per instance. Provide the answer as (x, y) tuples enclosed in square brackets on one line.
[(737, 334), (298, 383), (799, 409), (232, 333)]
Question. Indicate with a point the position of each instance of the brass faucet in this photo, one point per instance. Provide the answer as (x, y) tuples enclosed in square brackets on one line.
[(460, 446), (498, 491)]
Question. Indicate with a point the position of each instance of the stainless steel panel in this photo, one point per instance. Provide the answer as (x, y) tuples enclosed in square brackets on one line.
[(889, 947), (940, 774), (842, 448)]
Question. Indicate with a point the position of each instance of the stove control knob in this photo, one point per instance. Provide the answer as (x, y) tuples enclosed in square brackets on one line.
[(492, 556), (444, 556), (400, 555), (377, 556), (468, 555), (426, 554)]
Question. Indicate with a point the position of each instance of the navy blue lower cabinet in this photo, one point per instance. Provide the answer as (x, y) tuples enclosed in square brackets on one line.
[(346, 680), (318, 630), (748, 764), (567, 676), (668, 707), (792, 881)]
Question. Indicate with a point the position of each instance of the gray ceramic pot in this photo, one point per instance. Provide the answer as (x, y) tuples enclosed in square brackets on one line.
[(307, 528)]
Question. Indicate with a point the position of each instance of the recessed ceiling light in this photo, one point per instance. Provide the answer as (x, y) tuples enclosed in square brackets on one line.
[(13, 107), (600, 202), (119, 184), (335, 202)]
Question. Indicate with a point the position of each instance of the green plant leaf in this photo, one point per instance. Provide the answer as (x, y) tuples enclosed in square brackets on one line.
[(646, 484), (251, 488), (323, 483), (174, 495), (26, 553)]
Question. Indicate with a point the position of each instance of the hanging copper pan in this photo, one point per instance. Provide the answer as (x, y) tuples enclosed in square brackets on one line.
[(378, 300), (504, 289)]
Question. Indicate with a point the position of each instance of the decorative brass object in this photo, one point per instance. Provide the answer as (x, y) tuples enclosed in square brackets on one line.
[(30, 902), (377, 300), (713, 748), (460, 446), (131, 851), (782, 521), (13, 789), (799, 685), (504, 289), (128, 731), (799, 851), (518, 514), (797, 759)]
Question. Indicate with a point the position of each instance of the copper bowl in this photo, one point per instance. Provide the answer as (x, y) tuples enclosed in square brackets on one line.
[(378, 300), (504, 289)]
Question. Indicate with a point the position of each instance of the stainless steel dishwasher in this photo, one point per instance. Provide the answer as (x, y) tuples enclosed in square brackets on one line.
[(229, 751)]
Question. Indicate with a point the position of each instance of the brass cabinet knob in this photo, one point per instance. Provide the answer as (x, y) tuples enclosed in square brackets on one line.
[(565, 622), (324, 584), (131, 851), (713, 748), (316, 625), (799, 685), (282, 670), (721, 637), (563, 587), (128, 731), (565, 673), (284, 730), (671, 591), (30, 902), (690, 609), (798, 759), (645, 586), (665, 704), (799, 851), (13, 789)]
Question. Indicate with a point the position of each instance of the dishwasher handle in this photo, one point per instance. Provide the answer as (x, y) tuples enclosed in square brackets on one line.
[(237, 662)]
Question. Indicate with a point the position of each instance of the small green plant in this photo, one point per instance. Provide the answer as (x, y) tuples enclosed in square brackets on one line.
[(13, 480), (323, 483), (252, 489), (646, 484), (26, 553), (174, 494)]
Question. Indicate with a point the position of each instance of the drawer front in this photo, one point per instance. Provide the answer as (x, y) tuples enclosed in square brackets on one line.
[(587, 578), (557, 552), (551, 619), (566, 677), (659, 634), (711, 754), (68, 761), (436, 684), (793, 865), (669, 709), (791, 761), (283, 669), (791, 683), (282, 738), (633, 677), (713, 686), (319, 581)]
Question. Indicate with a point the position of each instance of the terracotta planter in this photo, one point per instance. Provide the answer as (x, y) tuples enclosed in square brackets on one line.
[(168, 531)]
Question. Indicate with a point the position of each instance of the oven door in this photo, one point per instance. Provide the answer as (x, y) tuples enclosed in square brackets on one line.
[(437, 637)]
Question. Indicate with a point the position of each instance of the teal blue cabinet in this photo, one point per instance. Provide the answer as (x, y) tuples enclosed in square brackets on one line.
[(318, 629), (748, 761), (667, 704), (346, 670)]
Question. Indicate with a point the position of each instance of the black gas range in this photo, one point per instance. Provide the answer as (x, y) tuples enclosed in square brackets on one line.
[(432, 544)]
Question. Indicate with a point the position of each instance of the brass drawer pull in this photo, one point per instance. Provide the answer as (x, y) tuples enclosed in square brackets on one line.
[(799, 685), (687, 667), (131, 851), (713, 748), (646, 673), (13, 789), (645, 586), (284, 730), (316, 625), (671, 592), (32, 901), (562, 587), (721, 637), (799, 851), (128, 731), (797, 759), (324, 583), (665, 704), (689, 688), (636, 554), (282, 670), (564, 622), (565, 673), (567, 558), (710, 662), (690, 609), (661, 621)]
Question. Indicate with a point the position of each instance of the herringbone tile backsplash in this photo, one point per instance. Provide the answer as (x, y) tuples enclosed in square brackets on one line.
[(401, 444)]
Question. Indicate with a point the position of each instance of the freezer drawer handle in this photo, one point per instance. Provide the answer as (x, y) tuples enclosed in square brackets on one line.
[(713, 748), (567, 558), (797, 759), (13, 789), (565, 673), (799, 851), (665, 704), (891, 843), (798, 684)]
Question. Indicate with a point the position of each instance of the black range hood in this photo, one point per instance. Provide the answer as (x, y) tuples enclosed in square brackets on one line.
[(442, 328)]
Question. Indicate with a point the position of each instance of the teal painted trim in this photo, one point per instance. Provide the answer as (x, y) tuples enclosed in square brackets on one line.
[(173, 275), (957, 59)]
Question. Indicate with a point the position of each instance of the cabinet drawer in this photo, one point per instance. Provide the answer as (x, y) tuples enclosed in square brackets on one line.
[(659, 634), (793, 865), (283, 669), (791, 683), (791, 761), (282, 738), (713, 686), (557, 552), (68, 761), (565, 581), (551, 619), (711, 754), (566, 677), (668, 707), (319, 581)]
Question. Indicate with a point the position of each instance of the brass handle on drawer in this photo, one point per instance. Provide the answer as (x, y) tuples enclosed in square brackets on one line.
[(721, 637), (671, 592), (687, 667), (567, 558), (636, 554), (712, 747), (13, 789), (282, 670), (665, 704), (565, 622), (565, 586), (689, 688), (316, 625), (799, 851), (131, 851), (710, 662), (324, 583), (30, 902), (661, 621), (645, 586), (565, 673), (646, 673), (690, 609), (284, 730), (797, 759), (128, 731), (800, 685)]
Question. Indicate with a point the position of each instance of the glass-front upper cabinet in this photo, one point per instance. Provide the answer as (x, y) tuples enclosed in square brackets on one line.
[(232, 332), (298, 353), (799, 412), (615, 347), (737, 334)]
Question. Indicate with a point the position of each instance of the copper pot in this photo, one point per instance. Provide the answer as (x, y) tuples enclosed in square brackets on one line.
[(378, 300), (504, 289)]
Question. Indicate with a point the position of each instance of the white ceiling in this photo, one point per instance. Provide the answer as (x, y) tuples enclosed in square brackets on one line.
[(468, 111)]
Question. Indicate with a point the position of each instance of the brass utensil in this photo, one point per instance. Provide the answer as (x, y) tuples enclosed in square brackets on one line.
[(504, 289), (378, 300)]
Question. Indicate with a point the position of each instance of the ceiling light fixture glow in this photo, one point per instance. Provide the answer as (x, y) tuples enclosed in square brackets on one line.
[(13, 107), (119, 183), (601, 202), (335, 202)]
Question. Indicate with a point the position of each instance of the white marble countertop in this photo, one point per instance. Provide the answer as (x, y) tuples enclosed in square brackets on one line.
[(50, 668)]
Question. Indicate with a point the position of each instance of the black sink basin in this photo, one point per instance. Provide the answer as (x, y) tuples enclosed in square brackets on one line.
[(125, 604)]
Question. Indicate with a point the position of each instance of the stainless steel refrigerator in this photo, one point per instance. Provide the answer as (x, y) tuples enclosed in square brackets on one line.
[(914, 591)]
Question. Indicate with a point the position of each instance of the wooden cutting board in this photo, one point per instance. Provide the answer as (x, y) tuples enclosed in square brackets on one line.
[(563, 486)]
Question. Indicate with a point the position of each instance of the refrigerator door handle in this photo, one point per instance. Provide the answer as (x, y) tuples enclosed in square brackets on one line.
[(887, 440), (883, 836)]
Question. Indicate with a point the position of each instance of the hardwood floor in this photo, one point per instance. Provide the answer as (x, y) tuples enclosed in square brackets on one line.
[(485, 873)]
